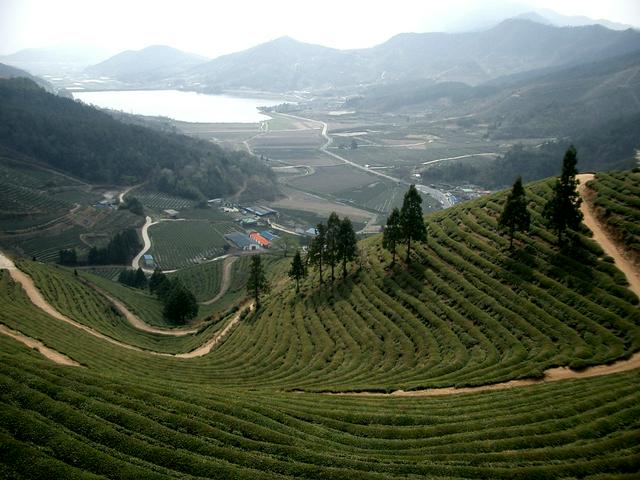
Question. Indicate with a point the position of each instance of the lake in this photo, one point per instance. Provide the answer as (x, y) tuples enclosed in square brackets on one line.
[(184, 106)]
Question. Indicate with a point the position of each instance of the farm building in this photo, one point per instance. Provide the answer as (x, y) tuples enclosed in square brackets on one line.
[(242, 241), (269, 235), (312, 232), (149, 261), (260, 239), (171, 213), (261, 211)]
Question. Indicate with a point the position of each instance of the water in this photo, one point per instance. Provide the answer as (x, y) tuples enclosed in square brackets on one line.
[(184, 106)]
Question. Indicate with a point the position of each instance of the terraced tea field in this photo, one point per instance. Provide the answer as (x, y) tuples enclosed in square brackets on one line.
[(178, 244), (468, 312), (617, 202)]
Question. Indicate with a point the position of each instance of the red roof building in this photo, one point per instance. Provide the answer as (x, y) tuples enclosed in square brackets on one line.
[(260, 239)]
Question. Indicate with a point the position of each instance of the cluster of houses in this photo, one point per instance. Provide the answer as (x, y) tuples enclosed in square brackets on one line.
[(252, 241)]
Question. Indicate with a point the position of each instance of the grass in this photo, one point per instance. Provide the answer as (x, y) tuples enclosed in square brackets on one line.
[(467, 312)]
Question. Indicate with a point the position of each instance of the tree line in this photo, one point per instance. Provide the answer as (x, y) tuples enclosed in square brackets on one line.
[(120, 250), (336, 244)]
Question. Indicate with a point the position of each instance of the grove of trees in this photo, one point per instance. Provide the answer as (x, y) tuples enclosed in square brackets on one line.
[(334, 243), (179, 302), (405, 225)]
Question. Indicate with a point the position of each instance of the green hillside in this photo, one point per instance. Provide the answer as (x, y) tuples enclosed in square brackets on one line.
[(90, 144), (466, 313)]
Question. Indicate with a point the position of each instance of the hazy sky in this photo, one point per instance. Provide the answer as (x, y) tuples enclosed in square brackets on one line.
[(212, 28)]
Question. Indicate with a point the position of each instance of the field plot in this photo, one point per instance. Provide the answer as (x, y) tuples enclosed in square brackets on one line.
[(335, 179), (178, 244), (305, 202), (220, 132), (162, 201), (298, 156), (203, 280)]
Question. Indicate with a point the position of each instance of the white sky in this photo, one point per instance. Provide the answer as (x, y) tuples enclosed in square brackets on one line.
[(212, 28)]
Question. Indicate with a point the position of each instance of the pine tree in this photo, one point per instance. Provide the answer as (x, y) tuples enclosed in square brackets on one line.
[(392, 234), (257, 282), (562, 211), (412, 220), (515, 216), (140, 279), (317, 248), (347, 247), (332, 235), (297, 270)]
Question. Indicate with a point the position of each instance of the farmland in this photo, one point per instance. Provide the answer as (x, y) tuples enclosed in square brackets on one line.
[(617, 202), (177, 244), (467, 313)]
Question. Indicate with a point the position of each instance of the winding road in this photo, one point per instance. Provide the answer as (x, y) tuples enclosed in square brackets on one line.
[(444, 199)]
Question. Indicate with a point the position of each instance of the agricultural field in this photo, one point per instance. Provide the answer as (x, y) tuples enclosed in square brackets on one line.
[(178, 244), (617, 202), (278, 397), (161, 201)]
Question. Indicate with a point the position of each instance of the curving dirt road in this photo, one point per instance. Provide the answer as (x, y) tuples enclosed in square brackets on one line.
[(225, 282), (39, 301), (206, 347), (601, 237), (136, 321), (45, 351)]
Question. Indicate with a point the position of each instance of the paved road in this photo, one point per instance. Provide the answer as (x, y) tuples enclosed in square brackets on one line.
[(442, 197)]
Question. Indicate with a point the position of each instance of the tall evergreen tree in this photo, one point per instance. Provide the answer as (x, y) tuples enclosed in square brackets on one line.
[(515, 216), (257, 282), (317, 248), (562, 211), (297, 270), (332, 236), (347, 247), (392, 234), (412, 220)]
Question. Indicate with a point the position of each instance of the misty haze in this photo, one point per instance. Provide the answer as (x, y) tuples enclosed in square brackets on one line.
[(269, 240)]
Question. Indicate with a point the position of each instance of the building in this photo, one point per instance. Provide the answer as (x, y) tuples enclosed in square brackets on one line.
[(149, 260), (269, 235), (171, 213), (255, 236), (242, 241)]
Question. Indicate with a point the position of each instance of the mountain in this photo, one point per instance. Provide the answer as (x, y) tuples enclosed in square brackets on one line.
[(7, 71), (559, 20), (512, 46), (151, 63), (92, 145), (54, 60), (282, 64)]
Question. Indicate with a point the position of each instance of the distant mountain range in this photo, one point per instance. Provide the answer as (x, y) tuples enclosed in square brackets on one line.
[(284, 64), (54, 60), (149, 64)]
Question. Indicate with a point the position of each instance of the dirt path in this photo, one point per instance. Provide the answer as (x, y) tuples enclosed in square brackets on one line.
[(125, 191), (225, 282), (45, 351), (206, 347), (550, 375), (39, 301), (559, 373), (600, 236), (136, 321)]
